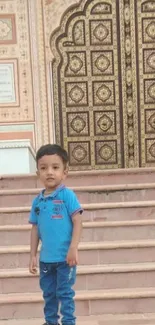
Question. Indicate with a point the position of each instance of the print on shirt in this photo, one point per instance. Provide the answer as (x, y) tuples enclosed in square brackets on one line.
[(37, 211), (57, 209)]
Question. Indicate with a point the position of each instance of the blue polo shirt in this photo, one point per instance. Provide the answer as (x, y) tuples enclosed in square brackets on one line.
[(53, 216)]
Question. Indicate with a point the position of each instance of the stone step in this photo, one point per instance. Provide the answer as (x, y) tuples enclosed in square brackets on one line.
[(95, 277), (86, 194), (92, 231), (94, 302), (92, 212), (106, 177), (118, 230), (126, 319), (89, 253)]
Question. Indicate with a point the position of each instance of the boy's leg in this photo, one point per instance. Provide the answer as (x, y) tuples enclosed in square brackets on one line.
[(66, 277), (48, 283)]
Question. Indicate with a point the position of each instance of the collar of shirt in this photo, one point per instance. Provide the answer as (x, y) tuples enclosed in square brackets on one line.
[(52, 194)]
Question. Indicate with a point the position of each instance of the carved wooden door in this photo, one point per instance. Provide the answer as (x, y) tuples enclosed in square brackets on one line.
[(104, 84)]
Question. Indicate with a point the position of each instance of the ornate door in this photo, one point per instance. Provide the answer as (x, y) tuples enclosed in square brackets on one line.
[(104, 84)]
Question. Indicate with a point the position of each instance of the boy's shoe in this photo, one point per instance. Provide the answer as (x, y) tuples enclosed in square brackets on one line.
[(49, 324)]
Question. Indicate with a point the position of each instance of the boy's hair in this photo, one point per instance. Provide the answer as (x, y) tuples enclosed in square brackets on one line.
[(52, 149)]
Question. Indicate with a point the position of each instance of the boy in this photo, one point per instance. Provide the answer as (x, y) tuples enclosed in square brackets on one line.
[(56, 221)]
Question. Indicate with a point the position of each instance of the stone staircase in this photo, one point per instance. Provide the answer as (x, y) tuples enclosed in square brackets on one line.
[(116, 275)]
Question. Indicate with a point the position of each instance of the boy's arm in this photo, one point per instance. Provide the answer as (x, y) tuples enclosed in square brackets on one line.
[(34, 242), (77, 228), (72, 257)]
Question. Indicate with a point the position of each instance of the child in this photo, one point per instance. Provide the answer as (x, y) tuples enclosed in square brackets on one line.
[(56, 221)]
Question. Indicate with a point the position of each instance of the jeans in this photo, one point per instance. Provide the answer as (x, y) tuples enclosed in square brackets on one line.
[(56, 281)]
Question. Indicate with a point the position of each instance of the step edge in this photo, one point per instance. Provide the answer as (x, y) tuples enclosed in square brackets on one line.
[(85, 270), (91, 206), (88, 246), (110, 172), (98, 318), (94, 188), (133, 293), (88, 224)]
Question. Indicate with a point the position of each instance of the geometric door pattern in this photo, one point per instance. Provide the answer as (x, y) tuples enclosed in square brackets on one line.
[(104, 84), (146, 82)]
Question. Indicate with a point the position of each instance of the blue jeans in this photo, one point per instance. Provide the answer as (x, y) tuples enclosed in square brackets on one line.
[(56, 281)]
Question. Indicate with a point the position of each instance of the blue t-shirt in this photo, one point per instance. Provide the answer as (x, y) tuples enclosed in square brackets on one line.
[(53, 216)]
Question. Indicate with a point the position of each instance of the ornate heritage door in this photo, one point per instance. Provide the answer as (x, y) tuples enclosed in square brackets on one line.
[(104, 84)]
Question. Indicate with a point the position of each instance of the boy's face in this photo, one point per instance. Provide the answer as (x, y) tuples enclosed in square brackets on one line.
[(51, 171)]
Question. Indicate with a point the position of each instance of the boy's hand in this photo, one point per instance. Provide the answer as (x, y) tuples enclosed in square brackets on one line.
[(33, 265), (72, 256)]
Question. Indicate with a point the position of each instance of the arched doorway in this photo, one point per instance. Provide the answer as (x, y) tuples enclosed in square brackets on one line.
[(104, 92)]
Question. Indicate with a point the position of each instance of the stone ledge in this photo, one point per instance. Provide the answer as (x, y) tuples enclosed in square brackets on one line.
[(17, 157)]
